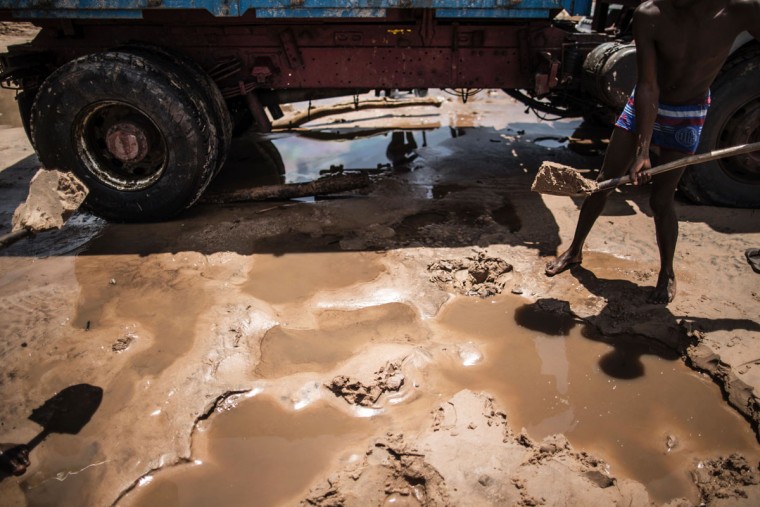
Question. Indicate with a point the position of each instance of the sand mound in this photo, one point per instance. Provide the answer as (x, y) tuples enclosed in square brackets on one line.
[(468, 455)]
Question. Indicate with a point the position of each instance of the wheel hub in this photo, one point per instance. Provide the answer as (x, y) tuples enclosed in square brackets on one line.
[(120, 146), (127, 142)]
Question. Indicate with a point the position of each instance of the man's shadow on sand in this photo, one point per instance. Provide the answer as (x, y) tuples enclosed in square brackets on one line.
[(627, 322)]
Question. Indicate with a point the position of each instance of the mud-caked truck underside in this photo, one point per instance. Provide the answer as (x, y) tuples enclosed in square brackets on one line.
[(141, 103)]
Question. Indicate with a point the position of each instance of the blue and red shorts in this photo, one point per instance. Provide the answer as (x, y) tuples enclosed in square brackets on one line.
[(676, 127)]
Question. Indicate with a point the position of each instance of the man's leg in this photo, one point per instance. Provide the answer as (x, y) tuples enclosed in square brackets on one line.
[(619, 156), (666, 226)]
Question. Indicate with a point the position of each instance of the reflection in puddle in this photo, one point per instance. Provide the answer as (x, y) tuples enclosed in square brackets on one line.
[(623, 399), (551, 142), (259, 454), (553, 322), (305, 155)]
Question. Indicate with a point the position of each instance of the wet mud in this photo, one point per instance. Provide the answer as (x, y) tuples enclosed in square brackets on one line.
[(627, 400), (244, 456), (299, 352), (630, 403), (475, 275), (335, 336), (287, 278)]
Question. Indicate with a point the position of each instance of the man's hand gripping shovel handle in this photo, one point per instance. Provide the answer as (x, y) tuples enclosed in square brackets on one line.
[(676, 164)]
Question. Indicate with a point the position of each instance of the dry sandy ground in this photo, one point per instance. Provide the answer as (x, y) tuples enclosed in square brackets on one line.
[(341, 314)]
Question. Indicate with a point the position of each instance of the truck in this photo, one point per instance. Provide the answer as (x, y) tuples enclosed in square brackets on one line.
[(140, 98)]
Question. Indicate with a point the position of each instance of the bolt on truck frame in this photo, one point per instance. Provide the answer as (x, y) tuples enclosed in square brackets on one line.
[(139, 97)]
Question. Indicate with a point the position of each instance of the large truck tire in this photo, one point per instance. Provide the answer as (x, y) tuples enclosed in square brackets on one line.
[(193, 76), (733, 119), (602, 116), (144, 144), (25, 99)]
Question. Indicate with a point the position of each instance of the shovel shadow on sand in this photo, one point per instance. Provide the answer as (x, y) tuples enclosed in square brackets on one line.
[(67, 412)]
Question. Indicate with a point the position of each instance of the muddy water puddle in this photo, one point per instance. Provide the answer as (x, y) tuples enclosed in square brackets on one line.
[(626, 400), (335, 336), (551, 142), (291, 277), (630, 401), (132, 293), (259, 453)]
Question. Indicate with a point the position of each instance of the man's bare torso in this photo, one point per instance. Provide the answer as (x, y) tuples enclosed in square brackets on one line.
[(692, 40)]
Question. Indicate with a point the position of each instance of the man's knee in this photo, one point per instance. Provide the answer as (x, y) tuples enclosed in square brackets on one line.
[(661, 201)]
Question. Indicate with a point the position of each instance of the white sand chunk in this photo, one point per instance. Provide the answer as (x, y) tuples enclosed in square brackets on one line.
[(53, 197)]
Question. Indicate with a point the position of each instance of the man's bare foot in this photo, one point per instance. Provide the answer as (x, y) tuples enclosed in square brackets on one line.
[(565, 261), (664, 292)]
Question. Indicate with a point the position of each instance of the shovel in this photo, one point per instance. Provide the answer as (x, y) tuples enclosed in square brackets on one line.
[(67, 412), (558, 179)]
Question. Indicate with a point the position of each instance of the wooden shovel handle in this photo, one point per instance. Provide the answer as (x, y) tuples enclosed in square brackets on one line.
[(12, 237), (676, 164)]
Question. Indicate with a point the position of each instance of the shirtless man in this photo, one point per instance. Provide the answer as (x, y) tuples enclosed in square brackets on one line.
[(680, 47)]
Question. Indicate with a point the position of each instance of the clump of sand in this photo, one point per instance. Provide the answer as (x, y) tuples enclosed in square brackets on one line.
[(388, 379), (728, 479), (558, 179), (477, 275), (53, 197)]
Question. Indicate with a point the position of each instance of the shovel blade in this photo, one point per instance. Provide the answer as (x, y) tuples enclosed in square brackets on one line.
[(557, 179)]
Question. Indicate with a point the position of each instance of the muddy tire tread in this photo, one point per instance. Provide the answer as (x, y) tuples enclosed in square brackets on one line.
[(208, 89), (130, 77)]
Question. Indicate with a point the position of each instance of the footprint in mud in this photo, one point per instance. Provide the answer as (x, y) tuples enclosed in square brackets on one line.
[(441, 190), (391, 473), (726, 478)]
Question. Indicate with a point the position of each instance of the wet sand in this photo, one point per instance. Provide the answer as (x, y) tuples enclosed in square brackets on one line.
[(326, 311)]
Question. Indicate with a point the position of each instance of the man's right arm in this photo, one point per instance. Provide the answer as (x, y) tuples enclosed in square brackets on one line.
[(647, 89)]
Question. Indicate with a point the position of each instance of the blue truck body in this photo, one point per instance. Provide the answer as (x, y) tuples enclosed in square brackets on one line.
[(119, 9)]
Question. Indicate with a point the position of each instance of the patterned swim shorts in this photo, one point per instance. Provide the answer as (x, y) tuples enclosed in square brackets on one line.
[(676, 127)]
